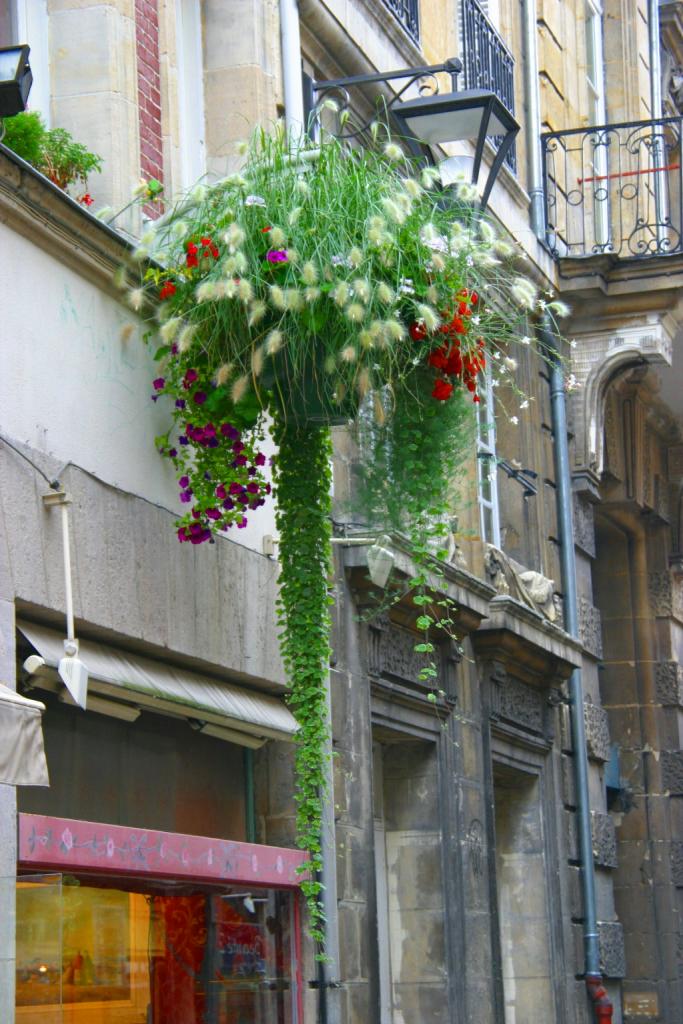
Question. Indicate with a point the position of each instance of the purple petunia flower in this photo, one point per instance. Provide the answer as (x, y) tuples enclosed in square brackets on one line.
[(277, 256), (183, 481), (240, 460), (199, 397), (185, 497), (227, 430), (228, 504), (180, 403), (183, 440), (213, 513), (159, 384), (260, 459), (253, 488), (242, 523), (238, 447), (173, 453)]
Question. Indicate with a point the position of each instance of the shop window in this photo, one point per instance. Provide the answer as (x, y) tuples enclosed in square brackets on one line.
[(521, 880), (152, 953)]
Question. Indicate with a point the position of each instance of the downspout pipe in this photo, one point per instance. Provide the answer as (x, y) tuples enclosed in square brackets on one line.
[(328, 970), (595, 988)]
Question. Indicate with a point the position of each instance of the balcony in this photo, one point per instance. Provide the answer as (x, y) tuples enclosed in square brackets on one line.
[(407, 13), (614, 190), (487, 62)]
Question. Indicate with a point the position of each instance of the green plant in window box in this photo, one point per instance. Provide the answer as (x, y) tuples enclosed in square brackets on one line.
[(52, 151)]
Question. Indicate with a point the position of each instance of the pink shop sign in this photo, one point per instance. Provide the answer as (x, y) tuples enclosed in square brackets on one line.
[(56, 843)]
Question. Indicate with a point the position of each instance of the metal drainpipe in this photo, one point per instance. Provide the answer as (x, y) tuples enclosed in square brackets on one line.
[(598, 994), (329, 1008)]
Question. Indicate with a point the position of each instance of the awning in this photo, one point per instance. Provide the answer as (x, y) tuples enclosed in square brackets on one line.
[(22, 755), (221, 709)]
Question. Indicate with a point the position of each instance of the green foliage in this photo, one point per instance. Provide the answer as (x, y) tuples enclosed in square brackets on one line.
[(303, 482), (52, 151)]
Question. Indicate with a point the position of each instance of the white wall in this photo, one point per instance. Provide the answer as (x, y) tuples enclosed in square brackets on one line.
[(72, 388)]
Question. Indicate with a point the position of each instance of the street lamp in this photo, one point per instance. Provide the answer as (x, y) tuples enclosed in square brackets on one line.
[(474, 115), (15, 79)]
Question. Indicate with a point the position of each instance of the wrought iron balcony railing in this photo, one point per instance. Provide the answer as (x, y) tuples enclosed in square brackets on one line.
[(487, 62), (614, 189), (408, 13)]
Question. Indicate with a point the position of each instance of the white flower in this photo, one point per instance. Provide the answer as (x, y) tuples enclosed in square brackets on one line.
[(254, 201), (511, 364), (412, 187), (136, 298), (526, 340), (206, 291), (523, 292), (355, 257), (394, 330), (406, 286), (393, 210), (244, 290), (185, 337), (393, 152), (234, 236), (257, 312), (338, 261), (170, 328), (355, 312), (257, 360), (428, 316), (524, 404), (361, 289), (341, 293), (476, 319), (239, 388), (277, 296), (277, 237), (514, 420), (274, 342), (309, 274), (572, 343), (429, 176), (293, 300)]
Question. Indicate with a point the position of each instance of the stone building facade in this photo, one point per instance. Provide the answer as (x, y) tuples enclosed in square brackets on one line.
[(457, 894)]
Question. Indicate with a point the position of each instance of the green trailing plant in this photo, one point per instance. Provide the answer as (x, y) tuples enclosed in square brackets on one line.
[(52, 151), (321, 286), (303, 479)]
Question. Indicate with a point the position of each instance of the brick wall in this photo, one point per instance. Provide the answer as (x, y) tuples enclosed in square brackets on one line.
[(149, 95)]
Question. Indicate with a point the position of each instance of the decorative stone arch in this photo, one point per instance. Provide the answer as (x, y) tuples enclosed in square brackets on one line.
[(598, 362)]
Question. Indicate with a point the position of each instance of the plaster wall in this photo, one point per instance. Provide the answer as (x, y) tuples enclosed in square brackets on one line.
[(74, 389)]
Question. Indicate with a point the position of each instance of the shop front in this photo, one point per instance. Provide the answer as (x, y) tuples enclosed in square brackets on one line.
[(126, 926)]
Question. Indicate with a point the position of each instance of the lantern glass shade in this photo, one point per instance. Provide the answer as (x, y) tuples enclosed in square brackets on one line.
[(472, 115), (15, 79)]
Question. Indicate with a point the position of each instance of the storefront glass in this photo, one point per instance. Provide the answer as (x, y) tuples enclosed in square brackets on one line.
[(113, 952)]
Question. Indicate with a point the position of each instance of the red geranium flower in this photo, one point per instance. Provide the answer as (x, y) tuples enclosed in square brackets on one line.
[(168, 290), (442, 390), (418, 332), (86, 199), (438, 358), (192, 259), (210, 248)]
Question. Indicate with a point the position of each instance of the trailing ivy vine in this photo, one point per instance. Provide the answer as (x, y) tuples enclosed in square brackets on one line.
[(303, 480)]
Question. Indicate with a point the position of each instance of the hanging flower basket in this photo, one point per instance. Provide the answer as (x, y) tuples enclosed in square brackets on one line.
[(317, 286)]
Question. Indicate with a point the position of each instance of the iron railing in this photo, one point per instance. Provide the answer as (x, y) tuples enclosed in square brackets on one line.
[(408, 13), (614, 189), (487, 62)]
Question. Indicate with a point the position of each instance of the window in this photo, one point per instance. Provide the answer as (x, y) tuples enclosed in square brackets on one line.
[(190, 91), (594, 63), (487, 471)]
